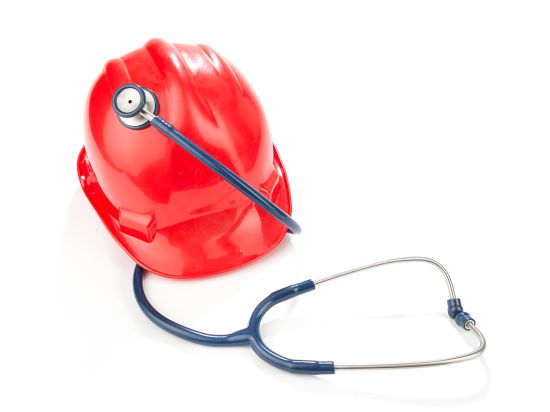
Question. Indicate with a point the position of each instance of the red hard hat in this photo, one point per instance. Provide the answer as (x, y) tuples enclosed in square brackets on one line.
[(169, 212)]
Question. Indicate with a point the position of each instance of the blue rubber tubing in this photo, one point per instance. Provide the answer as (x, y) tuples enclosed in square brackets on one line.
[(247, 336), (226, 173)]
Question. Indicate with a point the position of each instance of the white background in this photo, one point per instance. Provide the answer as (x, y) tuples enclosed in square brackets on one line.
[(407, 128)]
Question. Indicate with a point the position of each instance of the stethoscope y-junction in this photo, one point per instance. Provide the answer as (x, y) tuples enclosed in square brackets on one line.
[(137, 107)]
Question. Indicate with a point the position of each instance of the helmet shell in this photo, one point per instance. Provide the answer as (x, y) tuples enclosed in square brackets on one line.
[(169, 212)]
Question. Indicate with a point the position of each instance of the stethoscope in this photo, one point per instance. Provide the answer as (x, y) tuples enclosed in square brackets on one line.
[(137, 107)]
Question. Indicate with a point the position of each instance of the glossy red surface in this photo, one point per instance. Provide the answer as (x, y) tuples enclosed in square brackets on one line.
[(169, 212)]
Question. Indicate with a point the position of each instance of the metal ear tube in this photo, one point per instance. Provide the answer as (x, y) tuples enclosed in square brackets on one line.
[(455, 311)]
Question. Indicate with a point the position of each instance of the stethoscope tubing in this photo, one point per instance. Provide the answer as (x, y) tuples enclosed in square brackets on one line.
[(251, 334), (225, 173)]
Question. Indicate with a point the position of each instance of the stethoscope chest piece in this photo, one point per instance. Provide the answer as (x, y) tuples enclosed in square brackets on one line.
[(130, 101)]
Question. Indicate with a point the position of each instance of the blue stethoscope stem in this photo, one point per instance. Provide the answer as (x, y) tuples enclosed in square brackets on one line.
[(224, 172)]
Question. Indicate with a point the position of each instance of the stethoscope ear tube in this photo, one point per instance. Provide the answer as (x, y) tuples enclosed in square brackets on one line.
[(129, 102)]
